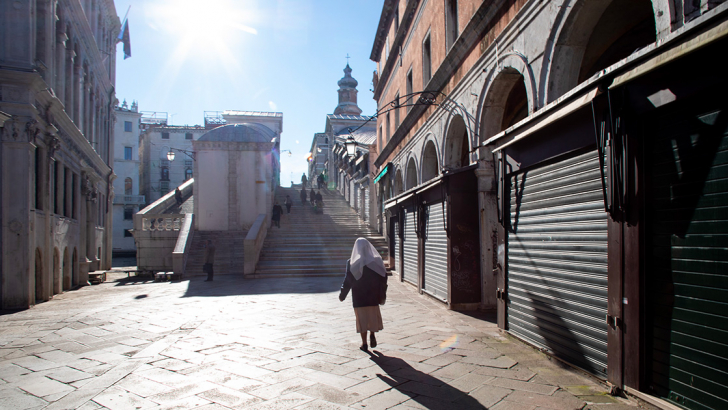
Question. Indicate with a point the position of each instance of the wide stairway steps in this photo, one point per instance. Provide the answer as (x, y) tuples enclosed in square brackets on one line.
[(228, 253), (314, 244)]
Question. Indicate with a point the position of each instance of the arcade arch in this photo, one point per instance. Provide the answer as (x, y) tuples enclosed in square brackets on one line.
[(398, 182), (411, 174), (506, 103), (457, 144), (595, 35), (430, 168)]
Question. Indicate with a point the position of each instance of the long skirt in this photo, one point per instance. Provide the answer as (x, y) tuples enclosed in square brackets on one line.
[(368, 318)]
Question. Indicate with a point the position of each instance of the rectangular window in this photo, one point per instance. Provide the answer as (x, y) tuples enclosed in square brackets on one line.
[(128, 213), (188, 162), (127, 234), (36, 171), (409, 91), (188, 136), (164, 162), (381, 139), (127, 126), (451, 22), (127, 153), (165, 135), (396, 111), (388, 127), (426, 62), (396, 20), (66, 193)]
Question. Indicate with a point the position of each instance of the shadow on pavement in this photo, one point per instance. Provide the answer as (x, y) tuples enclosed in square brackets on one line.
[(229, 285), (428, 391)]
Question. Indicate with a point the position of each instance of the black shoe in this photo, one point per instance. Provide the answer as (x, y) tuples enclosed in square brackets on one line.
[(364, 347), (372, 340)]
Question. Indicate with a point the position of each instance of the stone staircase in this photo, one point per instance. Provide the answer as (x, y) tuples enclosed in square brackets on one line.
[(310, 244), (228, 253)]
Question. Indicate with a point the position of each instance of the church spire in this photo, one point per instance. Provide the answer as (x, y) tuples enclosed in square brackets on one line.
[(347, 94)]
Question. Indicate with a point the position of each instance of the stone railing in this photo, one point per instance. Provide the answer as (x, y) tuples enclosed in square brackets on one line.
[(156, 233), (182, 247), (254, 243), (163, 222)]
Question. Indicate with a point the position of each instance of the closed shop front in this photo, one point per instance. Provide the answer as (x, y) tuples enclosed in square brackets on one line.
[(435, 260), (686, 269), (396, 244), (365, 203), (410, 245), (557, 260)]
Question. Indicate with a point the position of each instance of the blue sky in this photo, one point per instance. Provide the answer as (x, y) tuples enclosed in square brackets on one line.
[(191, 56)]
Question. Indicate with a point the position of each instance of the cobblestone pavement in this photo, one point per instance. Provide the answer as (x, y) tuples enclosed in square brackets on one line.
[(269, 344)]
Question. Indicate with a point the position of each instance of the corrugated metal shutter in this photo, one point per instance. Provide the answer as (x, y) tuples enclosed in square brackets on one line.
[(357, 192), (351, 194), (396, 244), (409, 249), (435, 280), (365, 205), (687, 259), (557, 260)]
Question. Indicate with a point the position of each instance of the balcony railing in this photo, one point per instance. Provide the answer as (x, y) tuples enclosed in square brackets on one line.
[(129, 200)]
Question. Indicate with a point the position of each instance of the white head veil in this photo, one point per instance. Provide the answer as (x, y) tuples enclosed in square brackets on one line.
[(365, 254)]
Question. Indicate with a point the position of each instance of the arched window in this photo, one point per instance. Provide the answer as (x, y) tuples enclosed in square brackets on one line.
[(127, 186), (188, 173), (165, 174)]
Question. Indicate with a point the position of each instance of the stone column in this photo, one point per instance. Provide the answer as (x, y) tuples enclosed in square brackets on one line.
[(77, 92), (487, 197), (16, 285), (60, 86), (68, 100)]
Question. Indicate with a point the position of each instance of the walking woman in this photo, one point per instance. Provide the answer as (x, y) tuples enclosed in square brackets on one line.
[(367, 280)]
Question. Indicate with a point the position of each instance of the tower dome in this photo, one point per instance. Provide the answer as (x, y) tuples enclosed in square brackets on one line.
[(347, 94)]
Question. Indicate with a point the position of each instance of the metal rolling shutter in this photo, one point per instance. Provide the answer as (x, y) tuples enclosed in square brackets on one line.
[(396, 245), (355, 196), (687, 260), (365, 205), (557, 261), (435, 280), (351, 194), (409, 252)]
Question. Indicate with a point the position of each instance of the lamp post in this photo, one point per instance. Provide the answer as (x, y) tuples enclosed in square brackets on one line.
[(171, 155), (350, 146)]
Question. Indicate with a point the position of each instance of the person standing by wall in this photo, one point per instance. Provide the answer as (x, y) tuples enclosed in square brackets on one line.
[(277, 211), (209, 260)]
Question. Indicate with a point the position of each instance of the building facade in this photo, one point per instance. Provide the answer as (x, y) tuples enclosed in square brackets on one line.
[(541, 153), (127, 200), (57, 75), (159, 175)]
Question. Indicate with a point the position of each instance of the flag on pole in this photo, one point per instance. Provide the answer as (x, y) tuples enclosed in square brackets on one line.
[(124, 35)]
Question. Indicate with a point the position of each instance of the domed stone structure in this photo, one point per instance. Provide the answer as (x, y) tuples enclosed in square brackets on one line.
[(347, 94), (246, 132)]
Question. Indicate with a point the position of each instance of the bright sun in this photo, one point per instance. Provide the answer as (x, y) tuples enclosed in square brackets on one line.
[(204, 28)]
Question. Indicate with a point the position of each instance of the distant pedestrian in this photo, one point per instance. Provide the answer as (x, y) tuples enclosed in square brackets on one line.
[(178, 195), (304, 180), (319, 198), (303, 196), (288, 203), (209, 260), (312, 197), (367, 280), (277, 211), (320, 180)]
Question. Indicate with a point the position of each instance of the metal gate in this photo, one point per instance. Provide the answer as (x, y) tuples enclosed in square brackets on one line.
[(557, 261), (409, 248), (687, 258), (435, 278)]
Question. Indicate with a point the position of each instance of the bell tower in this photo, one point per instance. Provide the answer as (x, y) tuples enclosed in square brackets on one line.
[(347, 94)]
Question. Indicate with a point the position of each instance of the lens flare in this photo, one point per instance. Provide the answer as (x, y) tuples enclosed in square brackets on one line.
[(449, 343)]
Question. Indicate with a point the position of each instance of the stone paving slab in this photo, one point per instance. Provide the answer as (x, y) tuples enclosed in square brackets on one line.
[(285, 343)]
